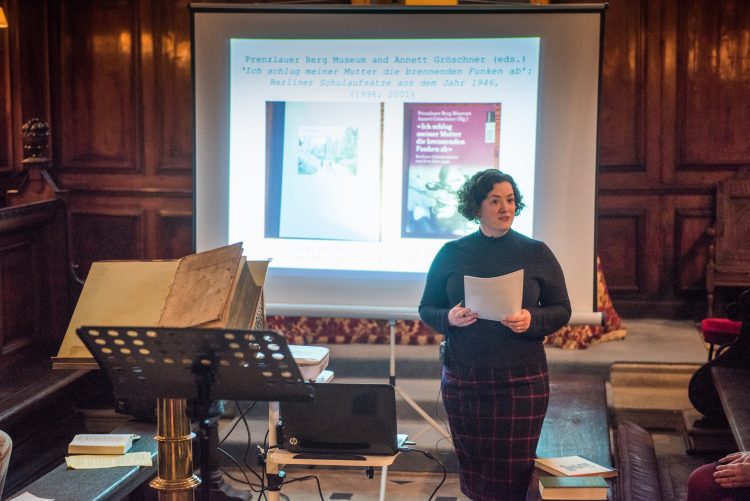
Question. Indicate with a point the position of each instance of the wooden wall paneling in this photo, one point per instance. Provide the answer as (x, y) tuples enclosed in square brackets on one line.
[(97, 112), (620, 242), (6, 115), (168, 90), (621, 116), (20, 286), (35, 302), (691, 256), (714, 85), (106, 233), (31, 86), (175, 234), (629, 246)]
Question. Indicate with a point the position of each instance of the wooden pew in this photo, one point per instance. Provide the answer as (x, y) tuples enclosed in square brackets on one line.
[(36, 404), (576, 423), (105, 484), (732, 385)]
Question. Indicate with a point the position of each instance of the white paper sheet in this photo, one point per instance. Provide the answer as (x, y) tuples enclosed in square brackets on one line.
[(91, 461), (494, 298), (27, 496)]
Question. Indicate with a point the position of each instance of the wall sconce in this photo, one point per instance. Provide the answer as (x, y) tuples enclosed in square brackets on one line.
[(3, 19)]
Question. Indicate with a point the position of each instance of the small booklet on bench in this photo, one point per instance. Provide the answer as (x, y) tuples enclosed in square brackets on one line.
[(573, 466), (101, 443)]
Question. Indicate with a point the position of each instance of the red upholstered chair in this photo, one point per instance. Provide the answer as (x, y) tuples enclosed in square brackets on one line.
[(719, 333)]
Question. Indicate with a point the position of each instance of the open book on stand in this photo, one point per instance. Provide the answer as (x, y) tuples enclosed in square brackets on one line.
[(574, 466)]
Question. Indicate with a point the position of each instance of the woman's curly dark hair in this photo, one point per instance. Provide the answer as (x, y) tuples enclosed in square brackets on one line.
[(476, 188)]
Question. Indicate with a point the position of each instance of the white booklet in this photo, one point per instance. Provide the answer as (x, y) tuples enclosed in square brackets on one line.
[(494, 298), (101, 443)]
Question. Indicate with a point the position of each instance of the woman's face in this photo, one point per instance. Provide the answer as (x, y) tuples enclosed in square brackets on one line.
[(498, 210)]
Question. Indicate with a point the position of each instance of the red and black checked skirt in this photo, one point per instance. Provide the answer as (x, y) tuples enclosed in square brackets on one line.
[(495, 416)]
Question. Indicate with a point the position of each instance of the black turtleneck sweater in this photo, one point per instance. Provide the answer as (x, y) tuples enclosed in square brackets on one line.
[(488, 343)]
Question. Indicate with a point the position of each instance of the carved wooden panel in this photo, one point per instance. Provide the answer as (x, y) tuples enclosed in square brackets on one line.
[(172, 94), (104, 234), (6, 120), (620, 238), (713, 82), (621, 117), (34, 294), (31, 67), (96, 115), (175, 235), (19, 280), (691, 242)]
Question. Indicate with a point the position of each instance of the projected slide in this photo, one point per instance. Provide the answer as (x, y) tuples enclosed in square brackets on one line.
[(444, 145), (347, 154)]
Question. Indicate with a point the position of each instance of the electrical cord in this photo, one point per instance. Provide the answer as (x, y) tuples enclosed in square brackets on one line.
[(237, 421), (439, 415), (430, 456), (307, 477), (254, 487)]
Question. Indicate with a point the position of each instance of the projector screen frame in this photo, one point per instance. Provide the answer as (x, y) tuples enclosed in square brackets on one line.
[(389, 311)]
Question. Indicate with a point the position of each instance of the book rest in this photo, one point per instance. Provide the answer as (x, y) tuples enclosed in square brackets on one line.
[(175, 364)]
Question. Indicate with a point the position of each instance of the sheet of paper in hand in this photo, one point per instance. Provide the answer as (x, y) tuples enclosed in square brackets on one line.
[(494, 298)]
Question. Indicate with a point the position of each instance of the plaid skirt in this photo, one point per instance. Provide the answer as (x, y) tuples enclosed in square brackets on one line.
[(495, 417)]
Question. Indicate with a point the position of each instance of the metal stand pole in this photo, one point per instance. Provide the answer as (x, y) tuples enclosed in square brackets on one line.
[(175, 481), (401, 393)]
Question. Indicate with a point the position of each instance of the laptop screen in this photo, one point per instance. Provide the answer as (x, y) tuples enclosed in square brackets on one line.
[(342, 419)]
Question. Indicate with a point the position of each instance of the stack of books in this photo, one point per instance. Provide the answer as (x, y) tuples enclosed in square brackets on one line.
[(574, 477)]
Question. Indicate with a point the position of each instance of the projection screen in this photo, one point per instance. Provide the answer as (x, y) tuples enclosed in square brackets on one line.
[(331, 140)]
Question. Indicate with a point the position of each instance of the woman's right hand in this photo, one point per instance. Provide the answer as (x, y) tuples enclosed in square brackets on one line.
[(733, 470), (460, 316)]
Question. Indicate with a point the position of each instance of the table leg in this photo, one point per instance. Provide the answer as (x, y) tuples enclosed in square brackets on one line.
[(383, 479)]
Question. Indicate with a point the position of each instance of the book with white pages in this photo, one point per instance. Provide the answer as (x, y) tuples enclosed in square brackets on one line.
[(101, 443), (574, 466), (494, 298)]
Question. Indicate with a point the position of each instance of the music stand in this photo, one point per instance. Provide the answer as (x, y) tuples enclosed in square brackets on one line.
[(196, 364)]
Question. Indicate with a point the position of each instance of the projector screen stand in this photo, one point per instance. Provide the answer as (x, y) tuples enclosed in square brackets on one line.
[(405, 396)]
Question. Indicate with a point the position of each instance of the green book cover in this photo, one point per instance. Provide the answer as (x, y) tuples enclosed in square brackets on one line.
[(572, 482)]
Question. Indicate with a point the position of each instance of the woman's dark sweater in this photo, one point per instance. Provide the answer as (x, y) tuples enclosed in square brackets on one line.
[(488, 343)]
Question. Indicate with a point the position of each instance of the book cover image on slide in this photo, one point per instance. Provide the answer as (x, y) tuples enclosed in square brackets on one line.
[(327, 149), (323, 165), (444, 144)]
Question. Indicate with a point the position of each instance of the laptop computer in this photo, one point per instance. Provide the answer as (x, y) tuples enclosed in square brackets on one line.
[(343, 421)]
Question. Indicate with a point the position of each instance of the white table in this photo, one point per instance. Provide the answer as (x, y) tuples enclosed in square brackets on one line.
[(312, 361)]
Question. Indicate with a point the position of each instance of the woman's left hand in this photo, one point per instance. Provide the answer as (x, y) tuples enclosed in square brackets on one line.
[(518, 322)]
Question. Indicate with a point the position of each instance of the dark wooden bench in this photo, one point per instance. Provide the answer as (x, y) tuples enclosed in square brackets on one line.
[(35, 401), (105, 484), (732, 385), (576, 423), (638, 478)]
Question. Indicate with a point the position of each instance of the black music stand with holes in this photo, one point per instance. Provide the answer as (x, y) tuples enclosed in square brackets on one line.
[(197, 364)]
